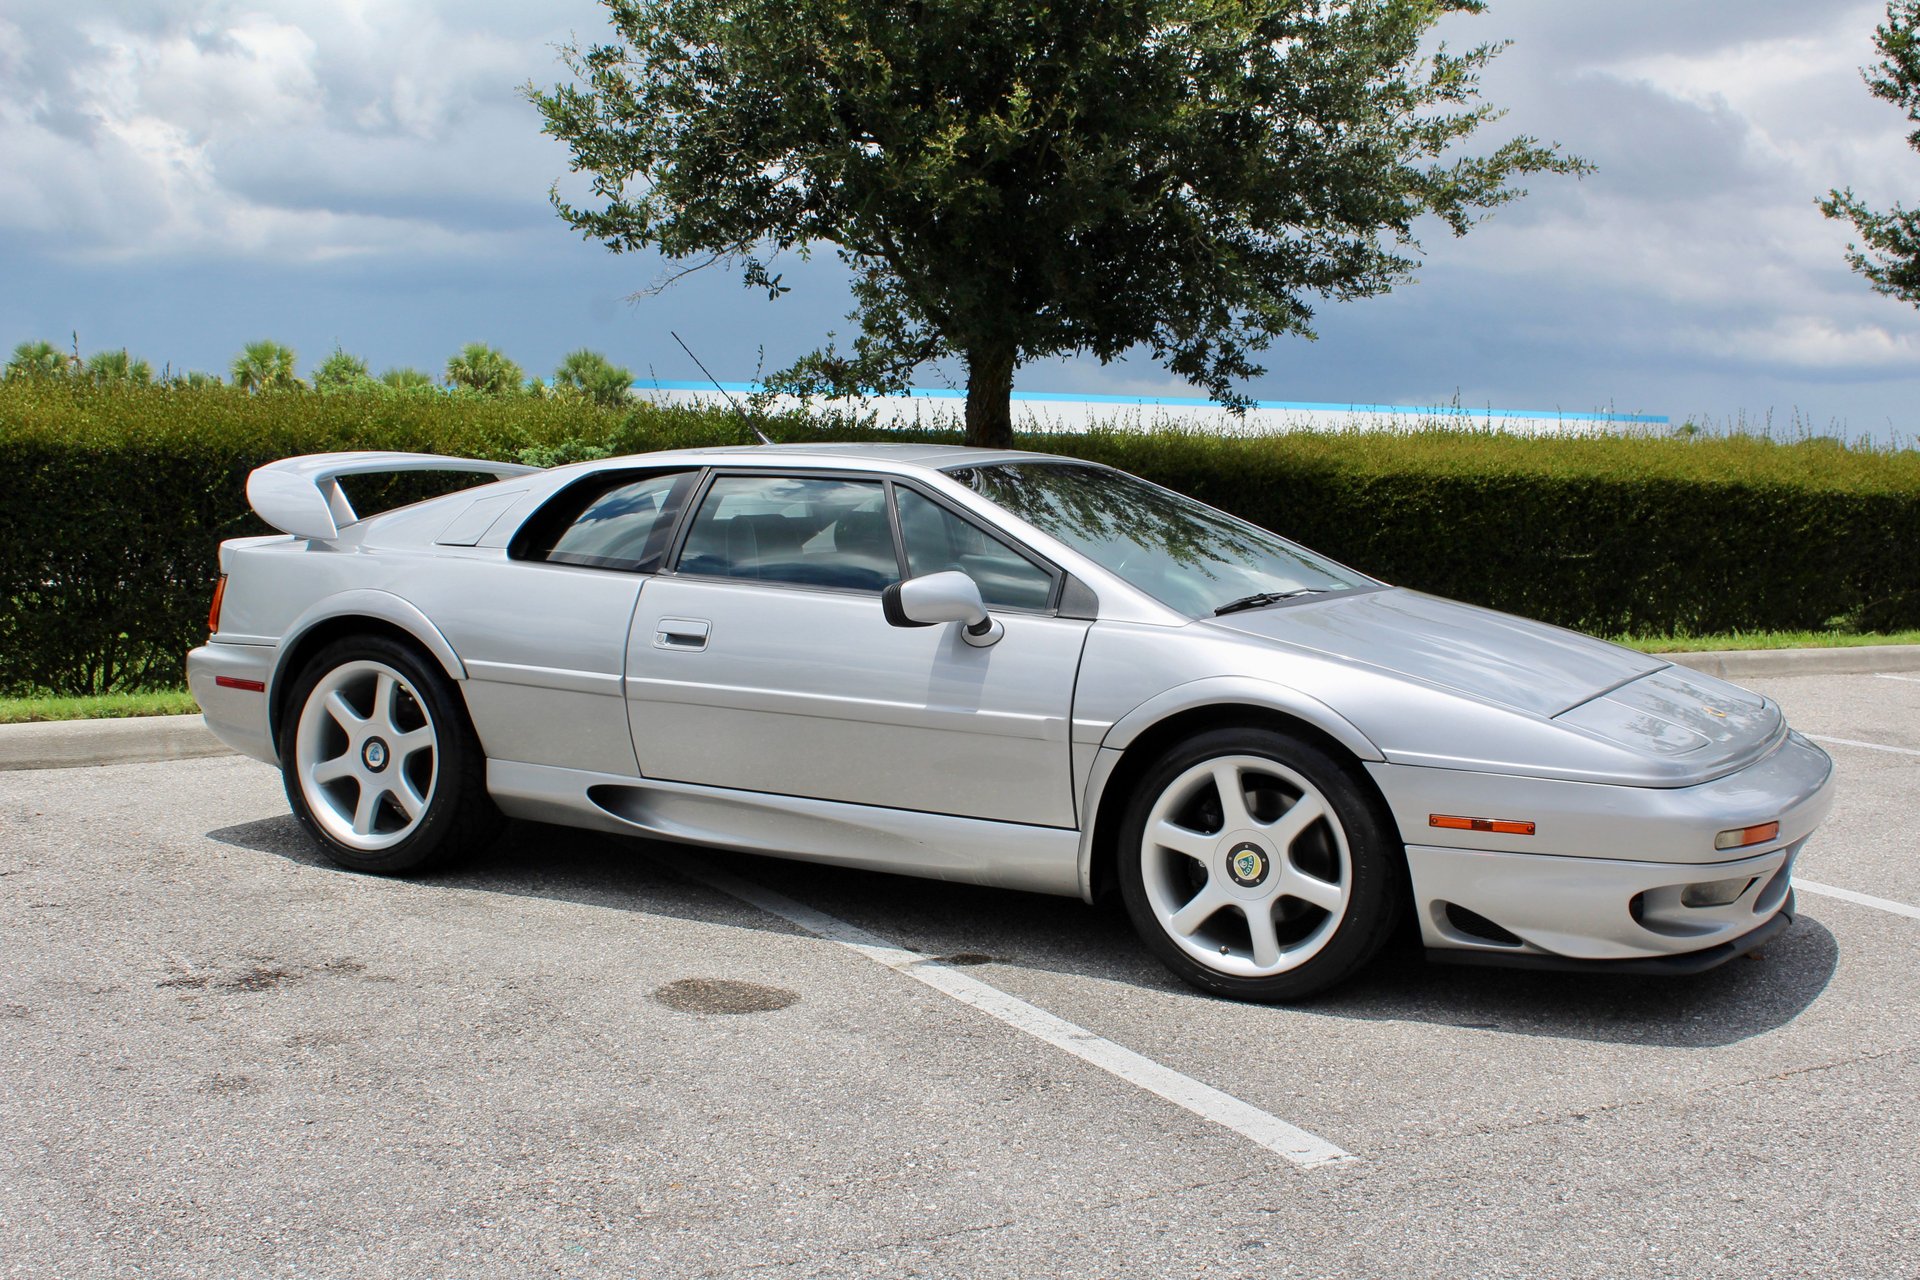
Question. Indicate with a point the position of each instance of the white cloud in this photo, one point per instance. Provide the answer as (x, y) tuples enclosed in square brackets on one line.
[(1700, 224), (282, 131), (1813, 343)]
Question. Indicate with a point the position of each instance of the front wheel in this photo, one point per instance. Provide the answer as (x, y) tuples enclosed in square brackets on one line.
[(1256, 866), (379, 762)]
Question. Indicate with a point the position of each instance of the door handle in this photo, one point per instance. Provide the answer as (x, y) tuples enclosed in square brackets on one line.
[(682, 633)]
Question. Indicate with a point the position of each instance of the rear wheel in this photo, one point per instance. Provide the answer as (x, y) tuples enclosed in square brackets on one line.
[(1257, 867), (379, 762)]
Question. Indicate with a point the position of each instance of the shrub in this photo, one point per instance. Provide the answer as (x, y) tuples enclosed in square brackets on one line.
[(113, 499)]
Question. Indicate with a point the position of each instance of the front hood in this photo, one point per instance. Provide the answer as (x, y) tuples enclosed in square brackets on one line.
[(1494, 657)]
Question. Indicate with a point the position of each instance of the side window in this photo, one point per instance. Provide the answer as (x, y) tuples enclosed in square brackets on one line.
[(937, 540), (615, 523), (807, 531)]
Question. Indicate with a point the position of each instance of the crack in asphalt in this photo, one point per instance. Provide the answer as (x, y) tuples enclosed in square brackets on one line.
[(934, 1237), (1632, 1104)]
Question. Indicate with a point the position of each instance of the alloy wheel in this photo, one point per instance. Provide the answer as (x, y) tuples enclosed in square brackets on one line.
[(367, 755), (1246, 866)]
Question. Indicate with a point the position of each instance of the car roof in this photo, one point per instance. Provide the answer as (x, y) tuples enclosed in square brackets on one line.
[(933, 457)]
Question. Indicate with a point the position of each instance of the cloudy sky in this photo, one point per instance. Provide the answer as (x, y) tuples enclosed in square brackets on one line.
[(182, 177)]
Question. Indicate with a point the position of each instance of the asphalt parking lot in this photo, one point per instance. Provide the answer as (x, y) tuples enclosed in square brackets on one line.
[(592, 1057)]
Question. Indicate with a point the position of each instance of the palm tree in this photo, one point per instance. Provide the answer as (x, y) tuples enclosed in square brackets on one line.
[(265, 366), (594, 376), (341, 372), (118, 368), (481, 368), (403, 379), (37, 360)]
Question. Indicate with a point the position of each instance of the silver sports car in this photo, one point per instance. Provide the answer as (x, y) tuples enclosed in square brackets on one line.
[(1006, 669)]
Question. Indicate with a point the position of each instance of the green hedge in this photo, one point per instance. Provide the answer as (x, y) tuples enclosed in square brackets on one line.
[(112, 502)]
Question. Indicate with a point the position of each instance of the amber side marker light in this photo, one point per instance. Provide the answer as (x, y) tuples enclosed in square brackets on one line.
[(1741, 837), (1500, 826), (213, 610)]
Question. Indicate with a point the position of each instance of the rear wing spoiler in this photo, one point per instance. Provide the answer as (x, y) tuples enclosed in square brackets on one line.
[(302, 496)]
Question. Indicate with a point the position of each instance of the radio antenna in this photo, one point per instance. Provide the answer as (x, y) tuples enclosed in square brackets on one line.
[(760, 435)]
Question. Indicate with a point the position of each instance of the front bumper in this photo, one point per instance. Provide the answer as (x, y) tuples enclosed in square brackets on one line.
[(1604, 884)]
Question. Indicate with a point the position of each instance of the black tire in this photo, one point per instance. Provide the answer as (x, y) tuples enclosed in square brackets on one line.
[(1353, 847), (457, 817)]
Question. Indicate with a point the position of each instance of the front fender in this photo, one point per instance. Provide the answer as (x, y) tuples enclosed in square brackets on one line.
[(1240, 691), (1211, 692)]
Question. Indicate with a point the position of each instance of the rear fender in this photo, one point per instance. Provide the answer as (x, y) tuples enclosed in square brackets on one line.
[(381, 606)]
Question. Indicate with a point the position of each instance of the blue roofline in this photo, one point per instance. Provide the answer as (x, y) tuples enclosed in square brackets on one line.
[(1195, 402)]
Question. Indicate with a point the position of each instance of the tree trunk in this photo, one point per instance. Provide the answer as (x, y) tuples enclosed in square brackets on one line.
[(990, 399)]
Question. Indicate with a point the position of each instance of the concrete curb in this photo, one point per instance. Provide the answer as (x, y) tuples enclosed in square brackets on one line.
[(1750, 664), (72, 744)]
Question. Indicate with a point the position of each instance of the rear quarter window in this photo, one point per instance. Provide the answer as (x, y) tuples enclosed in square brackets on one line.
[(616, 521)]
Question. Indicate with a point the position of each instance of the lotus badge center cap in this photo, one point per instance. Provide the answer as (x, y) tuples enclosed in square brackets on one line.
[(374, 754), (1247, 864)]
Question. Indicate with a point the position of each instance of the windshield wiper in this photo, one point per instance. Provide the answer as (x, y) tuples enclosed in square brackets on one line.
[(1261, 599)]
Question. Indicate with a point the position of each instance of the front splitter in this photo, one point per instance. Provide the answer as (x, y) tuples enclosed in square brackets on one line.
[(1689, 962)]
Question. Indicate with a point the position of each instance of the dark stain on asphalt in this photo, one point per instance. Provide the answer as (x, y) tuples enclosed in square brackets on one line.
[(723, 995), (188, 981), (263, 975), (260, 977)]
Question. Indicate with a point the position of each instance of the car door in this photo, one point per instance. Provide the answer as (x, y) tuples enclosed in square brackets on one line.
[(542, 623), (765, 663)]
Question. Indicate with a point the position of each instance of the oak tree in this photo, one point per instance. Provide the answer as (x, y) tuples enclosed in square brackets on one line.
[(1890, 258), (1010, 180)]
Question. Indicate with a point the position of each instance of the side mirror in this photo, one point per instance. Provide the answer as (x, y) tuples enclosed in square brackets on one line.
[(942, 597)]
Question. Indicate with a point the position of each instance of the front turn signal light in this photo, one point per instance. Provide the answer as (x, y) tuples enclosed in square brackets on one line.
[(1741, 837), (1499, 826), (213, 610)]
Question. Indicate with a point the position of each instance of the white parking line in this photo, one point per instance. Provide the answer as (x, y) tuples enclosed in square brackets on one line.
[(1858, 899), (1870, 746), (1881, 675), (1271, 1132)]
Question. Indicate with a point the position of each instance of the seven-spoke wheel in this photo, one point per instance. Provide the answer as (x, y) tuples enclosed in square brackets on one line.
[(1254, 864), (379, 761)]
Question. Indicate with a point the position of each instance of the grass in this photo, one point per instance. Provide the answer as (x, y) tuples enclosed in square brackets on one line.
[(108, 706), (1767, 640)]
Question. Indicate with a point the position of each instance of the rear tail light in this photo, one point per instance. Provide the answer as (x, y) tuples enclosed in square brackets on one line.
[(213, 611)]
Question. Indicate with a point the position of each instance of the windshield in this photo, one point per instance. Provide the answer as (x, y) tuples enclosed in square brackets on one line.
[(1183, 553)]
